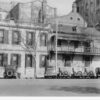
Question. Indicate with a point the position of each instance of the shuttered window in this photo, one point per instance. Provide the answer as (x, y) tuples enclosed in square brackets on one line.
[(29, 60), (43, 40), (16, 37), (43, 61), (1, 36), (4, 36), (87, 60), (30, 38), (68, 61), (16, 60), (3, 60)]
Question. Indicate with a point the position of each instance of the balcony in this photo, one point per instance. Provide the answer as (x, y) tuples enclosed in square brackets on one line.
[(80, 50)]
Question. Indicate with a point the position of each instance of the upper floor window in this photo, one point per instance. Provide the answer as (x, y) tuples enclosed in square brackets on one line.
[(71, 18), (43, 40), (16, 37), (30, 38), (3, 36), (98, 2), (78, 19), (74, 28)]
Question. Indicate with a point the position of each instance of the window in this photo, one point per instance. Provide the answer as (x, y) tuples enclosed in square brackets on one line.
[(71, 18), (3, 59), (1, 36), (16, 37), (30, 60), (78, 19), (43, 40), (74, 28), (43, 61), (78, 9), (68, 61), (30, 38), (16, 60), (87, 60), (98, 2)]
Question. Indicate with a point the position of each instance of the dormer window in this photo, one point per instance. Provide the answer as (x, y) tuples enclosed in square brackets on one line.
[(74, 28), (71, 18), (78, 19)]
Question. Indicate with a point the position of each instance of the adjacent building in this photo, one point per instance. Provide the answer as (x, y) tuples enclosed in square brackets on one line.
[(90, 11)]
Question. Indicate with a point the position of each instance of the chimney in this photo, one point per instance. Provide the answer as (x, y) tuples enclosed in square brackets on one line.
[(74, 7)]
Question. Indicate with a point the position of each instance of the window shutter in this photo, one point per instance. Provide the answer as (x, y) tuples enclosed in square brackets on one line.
[(26, 61), (19, 37), (6, 32), (19, 60), (12, 37), (40, 61), (46, 39), (34, 40), (40, 39), (5, 63), (11, 60), (26, 38)]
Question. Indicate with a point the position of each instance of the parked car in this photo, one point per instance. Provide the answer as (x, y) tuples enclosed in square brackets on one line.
[(11, 72), (50, 72), (97, 72)]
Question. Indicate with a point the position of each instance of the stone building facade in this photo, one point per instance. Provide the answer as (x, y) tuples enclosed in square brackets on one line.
[(90, 11)]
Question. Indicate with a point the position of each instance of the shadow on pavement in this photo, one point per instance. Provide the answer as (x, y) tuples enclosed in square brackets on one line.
[(85, 90)]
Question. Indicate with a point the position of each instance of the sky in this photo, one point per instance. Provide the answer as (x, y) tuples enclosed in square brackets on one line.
[(63, 6)]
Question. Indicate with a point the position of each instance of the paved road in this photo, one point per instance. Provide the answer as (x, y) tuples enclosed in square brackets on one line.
[(49, 87)]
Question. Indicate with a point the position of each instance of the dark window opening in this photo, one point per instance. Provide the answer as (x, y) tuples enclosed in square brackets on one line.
[(30, 38), (16, 60), (16, 38), (3, 60), (29, 60), (1, 36), (43, 40), (43, 61)]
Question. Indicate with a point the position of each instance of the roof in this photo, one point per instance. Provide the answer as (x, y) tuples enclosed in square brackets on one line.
[(85, 32), (65, 29), (6, 6)]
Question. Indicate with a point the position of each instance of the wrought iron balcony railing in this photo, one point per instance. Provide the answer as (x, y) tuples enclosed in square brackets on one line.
[(79, 50)]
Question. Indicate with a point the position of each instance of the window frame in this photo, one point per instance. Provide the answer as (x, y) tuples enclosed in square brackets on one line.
[(18, 39), (18, 63), (26, 60), (2, 41), (4, 60), (43, 64), (43, 43), (32, 40)]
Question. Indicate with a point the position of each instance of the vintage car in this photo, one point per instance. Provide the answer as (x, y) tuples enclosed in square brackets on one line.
[(50, 72), (97, 72), (11, 72)]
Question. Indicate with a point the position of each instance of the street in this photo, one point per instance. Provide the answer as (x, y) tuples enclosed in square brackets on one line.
[(49, 87)]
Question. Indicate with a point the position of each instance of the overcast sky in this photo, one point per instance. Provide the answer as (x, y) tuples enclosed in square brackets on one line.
[(63, 6)]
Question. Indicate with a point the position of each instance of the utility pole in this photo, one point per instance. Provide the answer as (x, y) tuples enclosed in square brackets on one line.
[(56, 45)]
